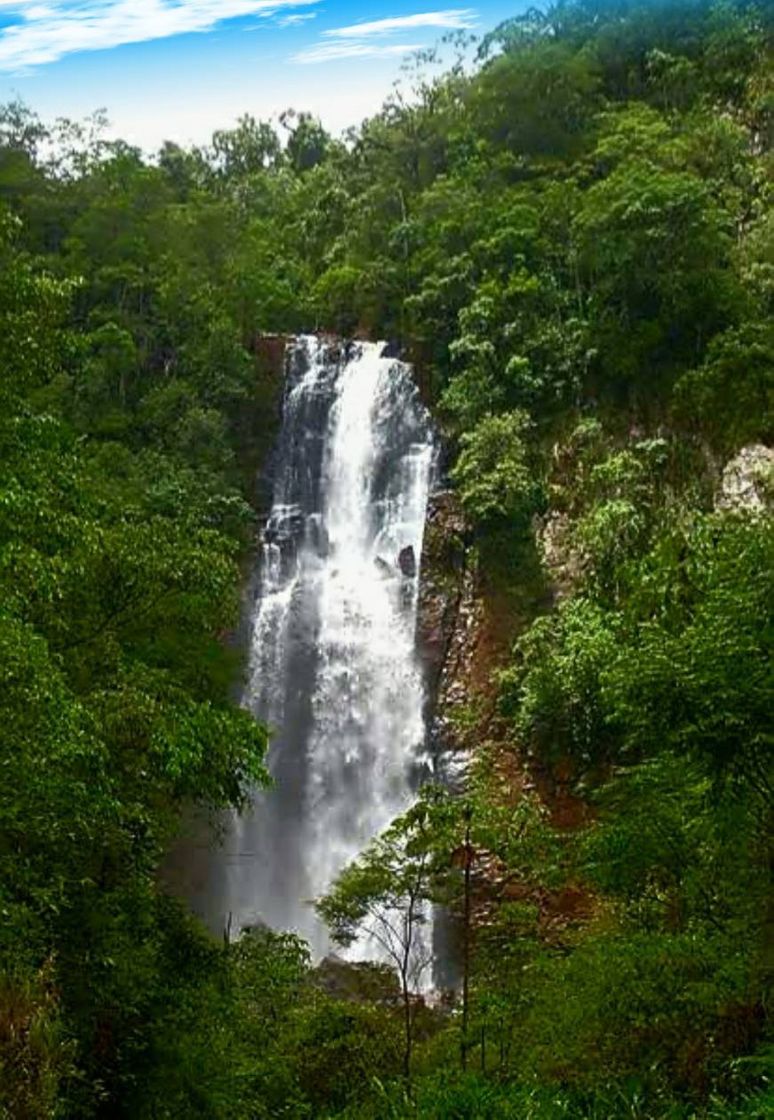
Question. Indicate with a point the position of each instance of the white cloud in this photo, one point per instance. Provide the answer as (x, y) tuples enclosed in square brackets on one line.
[(46, 32), (331, 52), (365, 40), (451, 19), (299, 17)]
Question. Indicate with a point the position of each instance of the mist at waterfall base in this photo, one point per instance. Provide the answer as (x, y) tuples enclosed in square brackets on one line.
[(333, 668)]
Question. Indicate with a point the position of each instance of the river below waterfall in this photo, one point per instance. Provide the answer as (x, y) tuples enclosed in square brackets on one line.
[(333, 668)]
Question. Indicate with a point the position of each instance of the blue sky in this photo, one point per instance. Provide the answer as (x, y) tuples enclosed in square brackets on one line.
[(178, 69)]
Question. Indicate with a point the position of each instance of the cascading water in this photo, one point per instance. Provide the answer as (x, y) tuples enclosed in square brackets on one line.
[(333, 666)]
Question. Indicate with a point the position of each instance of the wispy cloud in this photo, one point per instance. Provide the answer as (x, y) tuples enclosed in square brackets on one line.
[(330, 52), (367, 40), (294, 20), (43, 32), (451, 19)]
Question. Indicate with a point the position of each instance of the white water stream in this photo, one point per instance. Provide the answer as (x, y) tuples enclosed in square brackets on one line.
[(333, 667)]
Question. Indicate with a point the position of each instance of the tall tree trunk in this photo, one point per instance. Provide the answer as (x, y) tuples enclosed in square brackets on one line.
[(408, 1028), (466, 948)]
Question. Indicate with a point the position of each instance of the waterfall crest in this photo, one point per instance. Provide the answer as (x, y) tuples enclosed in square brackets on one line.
[(333, 667)]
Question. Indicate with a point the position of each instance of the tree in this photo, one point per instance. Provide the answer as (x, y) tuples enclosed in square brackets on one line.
[(653, 249), (384, 898), (308, 142), (250, 148), (493, 471)]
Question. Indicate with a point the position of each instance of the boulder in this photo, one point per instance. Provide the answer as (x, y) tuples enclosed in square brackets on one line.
[(407, 562)]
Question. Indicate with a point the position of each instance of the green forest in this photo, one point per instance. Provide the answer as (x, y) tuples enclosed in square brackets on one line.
[(573, 242)]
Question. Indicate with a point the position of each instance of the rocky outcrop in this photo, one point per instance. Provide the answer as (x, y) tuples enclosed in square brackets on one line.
[(562, 562), (357, 981), (748, 480)]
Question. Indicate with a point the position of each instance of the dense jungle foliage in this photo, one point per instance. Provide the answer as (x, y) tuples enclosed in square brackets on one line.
[(574, 240)]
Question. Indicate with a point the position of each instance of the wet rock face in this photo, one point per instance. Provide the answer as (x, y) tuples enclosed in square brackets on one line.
[(748, 480), (449, 624), (444, 563)]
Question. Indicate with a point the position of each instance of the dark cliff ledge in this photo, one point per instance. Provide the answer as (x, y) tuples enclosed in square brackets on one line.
[(259, 425), (261, 417), (191, 865), (270, 350)]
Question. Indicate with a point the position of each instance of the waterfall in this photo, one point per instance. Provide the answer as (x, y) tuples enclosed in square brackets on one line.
[(333, 667)]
